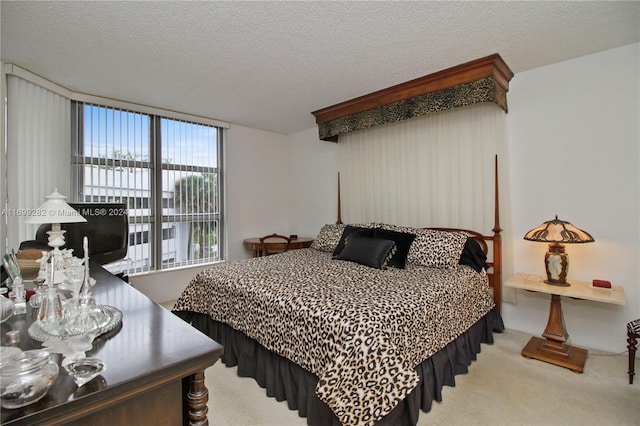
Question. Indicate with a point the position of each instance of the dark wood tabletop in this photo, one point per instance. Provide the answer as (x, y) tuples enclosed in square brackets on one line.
[(153, 360)]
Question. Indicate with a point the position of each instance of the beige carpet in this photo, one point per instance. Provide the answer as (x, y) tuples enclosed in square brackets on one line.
[(501, 388)]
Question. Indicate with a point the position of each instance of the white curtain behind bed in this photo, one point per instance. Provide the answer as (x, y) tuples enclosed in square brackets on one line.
[(435, 170)]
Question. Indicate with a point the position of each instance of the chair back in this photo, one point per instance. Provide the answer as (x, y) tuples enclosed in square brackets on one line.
[(274, 243), (107, 229)]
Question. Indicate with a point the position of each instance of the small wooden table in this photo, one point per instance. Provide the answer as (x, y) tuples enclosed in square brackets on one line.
[(553, 348), (255, 245)]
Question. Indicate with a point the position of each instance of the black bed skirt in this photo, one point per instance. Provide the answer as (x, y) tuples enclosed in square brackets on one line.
[(284, 380)]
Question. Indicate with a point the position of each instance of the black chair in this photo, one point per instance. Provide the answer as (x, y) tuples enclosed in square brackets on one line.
[(633, 333), (106, 228)]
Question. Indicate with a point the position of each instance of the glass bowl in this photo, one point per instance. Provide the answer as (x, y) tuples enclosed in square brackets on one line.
[(26, 377)]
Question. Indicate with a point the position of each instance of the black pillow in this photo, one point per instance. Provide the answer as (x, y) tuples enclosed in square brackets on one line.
[(349, 231), (403, 242), (473, 255), (373, 252)]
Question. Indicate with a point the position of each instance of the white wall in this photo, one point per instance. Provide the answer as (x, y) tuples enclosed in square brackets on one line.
[(313, 177), (257, 186), (164, 286), (574, 151)]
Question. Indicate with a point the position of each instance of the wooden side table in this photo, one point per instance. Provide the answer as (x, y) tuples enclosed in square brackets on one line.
[(553, 347), (255, 245)]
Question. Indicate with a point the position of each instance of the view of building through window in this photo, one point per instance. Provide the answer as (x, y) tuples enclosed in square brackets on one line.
[(166, 171)]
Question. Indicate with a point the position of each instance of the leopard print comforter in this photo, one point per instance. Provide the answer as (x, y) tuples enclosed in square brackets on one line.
[(361, 330)]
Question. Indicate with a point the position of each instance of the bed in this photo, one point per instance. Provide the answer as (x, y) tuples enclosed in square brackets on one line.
[(365, 327)]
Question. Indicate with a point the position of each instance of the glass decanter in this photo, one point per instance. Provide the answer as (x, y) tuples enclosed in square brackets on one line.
[(50, 312)]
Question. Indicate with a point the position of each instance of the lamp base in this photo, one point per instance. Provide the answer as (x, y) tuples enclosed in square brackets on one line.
[(556, 263)]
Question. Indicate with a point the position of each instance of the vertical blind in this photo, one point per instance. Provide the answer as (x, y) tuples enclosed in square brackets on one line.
[(38, 132), (436, 170), (190, 175), (166, 171), (112, 164)]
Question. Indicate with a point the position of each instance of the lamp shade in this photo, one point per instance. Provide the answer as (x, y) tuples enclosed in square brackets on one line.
[(55, 210), (558, 231)]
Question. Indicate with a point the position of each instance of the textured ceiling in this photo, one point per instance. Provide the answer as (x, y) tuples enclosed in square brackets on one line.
[(267, 65)]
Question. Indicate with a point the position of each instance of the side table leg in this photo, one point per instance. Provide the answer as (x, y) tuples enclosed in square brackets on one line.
[(556, 331), (553, 348), (197, 398)]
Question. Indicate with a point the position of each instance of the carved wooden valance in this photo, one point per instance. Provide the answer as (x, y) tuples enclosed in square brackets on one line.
[(483, 80)]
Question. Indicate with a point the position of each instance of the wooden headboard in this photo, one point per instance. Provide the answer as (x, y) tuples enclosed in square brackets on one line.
[(494, 258), (493, 241)]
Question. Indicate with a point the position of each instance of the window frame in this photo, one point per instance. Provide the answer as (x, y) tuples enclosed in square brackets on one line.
[(156, 217)]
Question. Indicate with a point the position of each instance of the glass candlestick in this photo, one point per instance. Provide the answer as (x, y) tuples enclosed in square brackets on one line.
[(85, 290)]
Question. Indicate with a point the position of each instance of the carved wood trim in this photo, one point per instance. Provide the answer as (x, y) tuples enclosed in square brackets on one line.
[(457, 86), (197, 398)]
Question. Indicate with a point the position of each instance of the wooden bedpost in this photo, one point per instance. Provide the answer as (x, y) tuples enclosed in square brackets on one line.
[(339, 221), (497, 245)]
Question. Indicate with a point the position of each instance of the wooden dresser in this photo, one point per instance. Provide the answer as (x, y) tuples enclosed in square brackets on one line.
[(155, 368)]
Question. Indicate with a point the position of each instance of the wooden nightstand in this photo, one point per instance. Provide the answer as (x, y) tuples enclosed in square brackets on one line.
[(255, 245), (553, 347)]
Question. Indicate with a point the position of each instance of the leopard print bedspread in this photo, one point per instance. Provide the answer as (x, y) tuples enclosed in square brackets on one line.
[(361, 330)]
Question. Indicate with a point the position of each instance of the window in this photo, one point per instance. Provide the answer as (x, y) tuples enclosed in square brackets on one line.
[(167, 171)]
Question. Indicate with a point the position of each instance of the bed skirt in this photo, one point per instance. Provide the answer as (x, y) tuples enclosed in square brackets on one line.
[(284, 380)]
